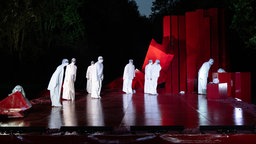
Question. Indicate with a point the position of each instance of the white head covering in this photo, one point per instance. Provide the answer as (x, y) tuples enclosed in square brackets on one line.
[(19, 88), (221, 70), (73, 60), (100, 58), (64, 61), (211, 61)]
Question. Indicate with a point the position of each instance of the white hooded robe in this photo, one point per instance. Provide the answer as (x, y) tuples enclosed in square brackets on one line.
[(55, 83), (97, 77), (89, 78), (148, 77), (69, 82), (128, 75), (203, 76), (156, 67)]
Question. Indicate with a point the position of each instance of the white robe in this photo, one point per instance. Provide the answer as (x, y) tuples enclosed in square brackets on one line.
[(89, 78), (128, 75), (203, 76), (69, 82), (55, 120), (155, 75), (97, 77), (148, 78), (55, 85)]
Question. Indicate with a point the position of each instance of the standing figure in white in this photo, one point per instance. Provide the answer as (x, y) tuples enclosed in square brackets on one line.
[(69, 81), (156, 68), (55, 84), (128, 75), (203, 76), (148, 77), (97, 78), (89, 78)]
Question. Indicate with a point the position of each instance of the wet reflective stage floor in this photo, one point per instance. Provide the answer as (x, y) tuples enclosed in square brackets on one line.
[(190, 113)]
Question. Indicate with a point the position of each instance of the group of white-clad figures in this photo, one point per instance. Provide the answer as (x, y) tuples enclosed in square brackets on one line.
[(68, 93), (65, 89), (56, 81), (94, 76), (152, 73)]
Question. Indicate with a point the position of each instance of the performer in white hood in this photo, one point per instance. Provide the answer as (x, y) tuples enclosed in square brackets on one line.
[(69, 81), (97, 78), (128, 75), (89, 77), (203, 76), (55, 83), (156, 68), (148, 77)]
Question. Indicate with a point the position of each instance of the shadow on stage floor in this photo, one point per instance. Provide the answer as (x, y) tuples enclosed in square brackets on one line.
[(133, 118)]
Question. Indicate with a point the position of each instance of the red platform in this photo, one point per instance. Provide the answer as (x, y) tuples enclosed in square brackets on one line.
[(217, 91), (238, 84), (225, 77)]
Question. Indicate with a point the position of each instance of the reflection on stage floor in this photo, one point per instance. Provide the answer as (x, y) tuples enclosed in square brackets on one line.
[(133, 118), (119, 110)]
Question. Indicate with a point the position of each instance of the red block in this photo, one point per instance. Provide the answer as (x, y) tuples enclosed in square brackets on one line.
[(216, 91), (225, 77)]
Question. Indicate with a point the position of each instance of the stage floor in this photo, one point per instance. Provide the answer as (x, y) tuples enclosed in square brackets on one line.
[(124, 112)]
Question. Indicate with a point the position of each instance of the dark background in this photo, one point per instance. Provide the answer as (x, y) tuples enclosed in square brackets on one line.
[(35, 35)]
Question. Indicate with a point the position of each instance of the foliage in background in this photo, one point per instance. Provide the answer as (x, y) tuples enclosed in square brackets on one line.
[(28, 26), (36, 34), (244, 21)]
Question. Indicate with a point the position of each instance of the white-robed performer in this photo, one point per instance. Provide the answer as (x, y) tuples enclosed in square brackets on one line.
[(69, 81), (55, 83), (97, 78), (156, 68), (89, 77), (203, 76), (128, 75), (148, 77), (20, 89)]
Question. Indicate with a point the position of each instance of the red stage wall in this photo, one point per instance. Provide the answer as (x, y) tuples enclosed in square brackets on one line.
[(174, 48), (195, 37), (188, 41), (182, 53), (192, 39), (197, 50)]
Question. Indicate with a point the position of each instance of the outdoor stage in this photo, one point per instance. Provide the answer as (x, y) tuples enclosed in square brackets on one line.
[(137, 118)]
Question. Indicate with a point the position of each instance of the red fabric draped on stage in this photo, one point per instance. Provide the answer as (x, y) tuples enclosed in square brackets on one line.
[(14, 105)]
